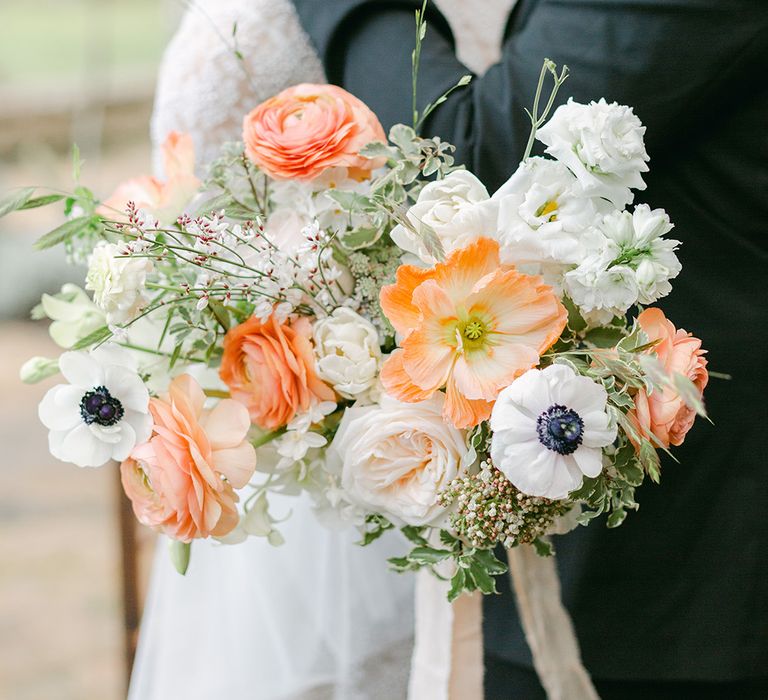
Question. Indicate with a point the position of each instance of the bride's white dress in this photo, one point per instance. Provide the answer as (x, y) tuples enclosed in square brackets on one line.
[(318, 617)]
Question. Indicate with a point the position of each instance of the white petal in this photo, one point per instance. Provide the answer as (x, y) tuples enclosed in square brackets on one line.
[(122, 449), (567, 477), (60, 407), (529, 466), (598, 432), (81, 447), (126, 386), (141, 424), (589, 460), (113, 354), (80, 369)]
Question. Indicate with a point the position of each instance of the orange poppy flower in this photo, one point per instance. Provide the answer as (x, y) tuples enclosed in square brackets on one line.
[(471, 325)]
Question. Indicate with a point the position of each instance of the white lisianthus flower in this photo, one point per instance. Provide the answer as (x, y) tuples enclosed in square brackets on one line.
[(549, 427), (348, 352), (117, 281), (602, 144), (73, 313), (102, 414), (395, 458), (602, 292), (542, 210), (457, 208)]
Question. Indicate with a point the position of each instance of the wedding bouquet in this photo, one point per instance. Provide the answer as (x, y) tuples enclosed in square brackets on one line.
[(337, 312)]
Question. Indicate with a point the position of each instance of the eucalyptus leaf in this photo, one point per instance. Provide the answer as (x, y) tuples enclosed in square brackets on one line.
[(15, 200)]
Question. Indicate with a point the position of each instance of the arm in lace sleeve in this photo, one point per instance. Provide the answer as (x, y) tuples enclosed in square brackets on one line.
[(205, 90)]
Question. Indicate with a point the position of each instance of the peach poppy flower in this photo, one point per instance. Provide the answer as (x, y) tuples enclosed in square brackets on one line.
[(302, 131), (167, 198), (270, 368), (181, 482), (663, 413), (471, 325)]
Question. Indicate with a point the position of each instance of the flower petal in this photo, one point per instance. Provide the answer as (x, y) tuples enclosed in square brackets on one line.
[(226, 424), (589, 460), (60, 407), (462, 412), (81, 370), (237, 464), (398, 383), (397, 299)]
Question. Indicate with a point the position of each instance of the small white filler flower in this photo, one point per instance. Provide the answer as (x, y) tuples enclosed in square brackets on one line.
[(102, 413), (549, 427)]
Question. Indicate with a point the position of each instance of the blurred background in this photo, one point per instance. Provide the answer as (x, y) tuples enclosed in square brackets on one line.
[(71, 71)]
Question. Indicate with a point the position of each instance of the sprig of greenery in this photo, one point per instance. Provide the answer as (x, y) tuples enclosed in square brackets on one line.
[(537, 120)]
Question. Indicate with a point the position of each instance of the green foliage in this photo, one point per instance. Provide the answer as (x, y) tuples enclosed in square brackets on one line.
[(375, 526), (180, 553)]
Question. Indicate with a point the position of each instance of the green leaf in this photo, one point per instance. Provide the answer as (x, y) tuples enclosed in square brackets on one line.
[(616, 518), (220, 313), (15, 200), (98, 336), (632, 473), (77, 163), (42, 201), (401, 564), (180, 552), (490, 562), (413, 534), (604, 337), (543, 547), (175, 355), (689, 393), (575, 321), (428, 555), (458, 585), (63, 233), (485, 582), (360, 238)]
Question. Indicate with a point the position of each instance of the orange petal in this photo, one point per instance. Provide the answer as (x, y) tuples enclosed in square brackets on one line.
[(397, 299), (465, 266), (520, 307), (482, 374), (463, 412), (397, 382)]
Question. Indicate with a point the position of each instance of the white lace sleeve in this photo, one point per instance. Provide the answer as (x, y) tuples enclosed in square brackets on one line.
[(204, 90)]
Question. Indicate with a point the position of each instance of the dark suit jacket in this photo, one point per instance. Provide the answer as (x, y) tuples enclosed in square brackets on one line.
[(680, 591)]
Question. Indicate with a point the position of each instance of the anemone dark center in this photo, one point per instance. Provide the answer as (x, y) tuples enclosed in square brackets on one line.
[(560, 429), (100, 407)]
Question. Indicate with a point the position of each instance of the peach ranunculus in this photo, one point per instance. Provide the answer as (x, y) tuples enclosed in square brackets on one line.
[(471, 325), (663, 413), (165, 199), (270, 368), (181, 482), (307, 128)]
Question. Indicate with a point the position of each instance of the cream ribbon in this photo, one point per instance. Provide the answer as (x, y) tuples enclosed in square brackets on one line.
[(447, 661)]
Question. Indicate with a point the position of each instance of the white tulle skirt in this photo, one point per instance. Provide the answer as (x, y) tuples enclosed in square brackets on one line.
[(317, 617)]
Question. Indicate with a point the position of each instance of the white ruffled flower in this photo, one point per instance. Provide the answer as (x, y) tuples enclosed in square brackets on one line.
[(627, 262), (395, 458), (102, 413), (542, 210), (602, 144), (457, 208), (73, 313), (348, 352), (117, 281), (548, 430)]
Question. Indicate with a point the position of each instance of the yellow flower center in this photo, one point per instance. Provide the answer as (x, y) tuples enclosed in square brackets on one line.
[(472, 334), (547, 208)]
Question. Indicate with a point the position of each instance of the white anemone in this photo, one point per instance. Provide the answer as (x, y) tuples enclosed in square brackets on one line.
[(102, 413), (549, 427)]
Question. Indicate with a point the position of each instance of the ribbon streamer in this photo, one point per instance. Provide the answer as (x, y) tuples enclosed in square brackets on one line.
[(548, 627)]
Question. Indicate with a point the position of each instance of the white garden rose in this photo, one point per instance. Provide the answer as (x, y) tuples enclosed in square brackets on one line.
[(542, 210), (73, 313), (117, 281), (348, 352), (457, 208), (602, 144), (395, 458)]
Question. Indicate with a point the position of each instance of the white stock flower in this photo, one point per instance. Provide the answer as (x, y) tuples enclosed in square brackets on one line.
[(73, 313), (348, 352), (626, 262), (548, 430), (602, 144), (102, 413), (542, 210), (457, 208), (395, 458), (117, 281)]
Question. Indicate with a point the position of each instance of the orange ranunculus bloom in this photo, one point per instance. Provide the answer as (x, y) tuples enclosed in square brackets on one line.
[(307, 128), (663, 412), (270, 368), (167, 198), (471, 325), (181, 482)]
